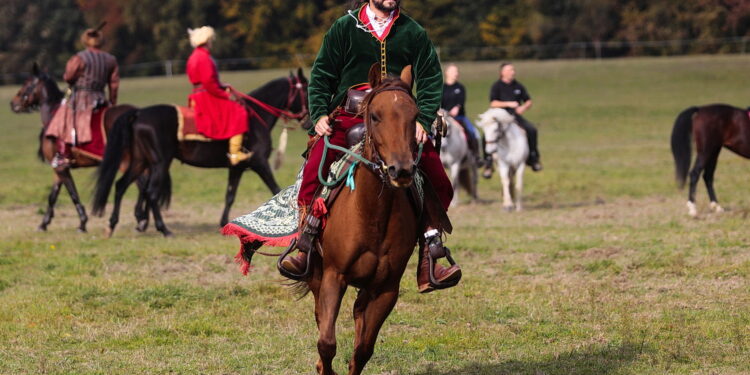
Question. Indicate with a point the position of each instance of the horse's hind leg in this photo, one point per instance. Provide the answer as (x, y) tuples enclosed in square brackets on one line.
[(370, 311), (327, 305), (519, 187), (141, 205), (158, 181), (695, 174), (235, 174), (708, 178), (120, 187), (70, 185), (51, 200)]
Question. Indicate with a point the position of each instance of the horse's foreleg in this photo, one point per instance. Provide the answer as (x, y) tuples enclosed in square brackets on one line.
[(519, 186), (51, 200), (70, 185), (455, 181), (263, 170), (370, 311), (504, 171), (327, 307), (708, 178), (235, 174), (695, 174)]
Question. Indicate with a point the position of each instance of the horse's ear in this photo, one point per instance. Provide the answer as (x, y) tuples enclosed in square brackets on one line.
[(407, 77), (374, 76), (35, 69), (300, 73)]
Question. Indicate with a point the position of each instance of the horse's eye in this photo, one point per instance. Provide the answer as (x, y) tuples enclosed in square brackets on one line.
[(374, 118)]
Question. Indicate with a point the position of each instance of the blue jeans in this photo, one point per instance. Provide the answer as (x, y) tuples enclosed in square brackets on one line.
[(469, 126)]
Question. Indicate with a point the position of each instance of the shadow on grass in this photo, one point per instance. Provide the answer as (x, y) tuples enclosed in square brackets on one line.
[(593, 360)]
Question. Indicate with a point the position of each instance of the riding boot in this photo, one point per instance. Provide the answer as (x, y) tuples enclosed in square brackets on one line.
[(309, 230), (235, 154), (440, 277), (62, 157)]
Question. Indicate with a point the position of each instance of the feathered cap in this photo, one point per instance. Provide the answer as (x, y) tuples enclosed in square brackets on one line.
[(201, 35), (93, 37)]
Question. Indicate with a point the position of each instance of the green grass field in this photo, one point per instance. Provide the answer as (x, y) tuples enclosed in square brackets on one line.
[(604, 273)]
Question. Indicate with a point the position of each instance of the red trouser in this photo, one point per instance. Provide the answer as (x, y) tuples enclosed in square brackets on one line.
[(429, 163)]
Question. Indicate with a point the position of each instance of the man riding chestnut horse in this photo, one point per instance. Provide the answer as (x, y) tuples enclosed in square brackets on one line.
[(87, 72), (375, 32)]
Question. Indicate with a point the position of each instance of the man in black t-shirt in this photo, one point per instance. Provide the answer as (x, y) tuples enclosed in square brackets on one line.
[(509, 94), (454, 101)]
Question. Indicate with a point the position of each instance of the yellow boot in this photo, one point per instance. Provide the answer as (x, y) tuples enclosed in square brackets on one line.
[(235, 155)]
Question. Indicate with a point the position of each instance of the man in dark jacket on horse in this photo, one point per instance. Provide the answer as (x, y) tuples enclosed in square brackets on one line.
[(511, 95), (375, 32), (87, 72)]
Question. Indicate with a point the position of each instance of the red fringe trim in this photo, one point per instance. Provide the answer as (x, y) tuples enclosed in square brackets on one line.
[(320, 211), (246, 236)]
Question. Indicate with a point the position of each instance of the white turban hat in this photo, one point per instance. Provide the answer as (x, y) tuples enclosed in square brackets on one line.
[(201, 35)]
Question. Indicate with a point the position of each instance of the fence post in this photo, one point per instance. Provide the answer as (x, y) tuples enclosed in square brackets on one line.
[(168, 68)]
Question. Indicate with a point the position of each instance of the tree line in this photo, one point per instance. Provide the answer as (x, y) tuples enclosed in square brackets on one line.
[(289, 32)]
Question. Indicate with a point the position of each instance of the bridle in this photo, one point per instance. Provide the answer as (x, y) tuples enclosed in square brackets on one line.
[(296, 90), (500, 133), (26, 92), (376, 165)]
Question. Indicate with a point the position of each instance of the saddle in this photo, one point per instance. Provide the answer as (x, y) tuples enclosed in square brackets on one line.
[(95, 148), (186, 129)]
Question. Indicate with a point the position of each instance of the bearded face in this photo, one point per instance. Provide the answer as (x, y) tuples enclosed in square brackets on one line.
[(385, 5)]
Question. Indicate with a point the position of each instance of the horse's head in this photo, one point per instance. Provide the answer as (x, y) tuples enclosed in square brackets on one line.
[(495, 122), (390, 113), (29, 97)]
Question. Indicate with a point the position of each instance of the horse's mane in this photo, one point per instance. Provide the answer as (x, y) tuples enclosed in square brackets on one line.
[(53, 92)]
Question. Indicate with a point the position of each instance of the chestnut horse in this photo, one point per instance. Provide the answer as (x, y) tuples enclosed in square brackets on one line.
[(41, 92), (372, 230), (712, 127)]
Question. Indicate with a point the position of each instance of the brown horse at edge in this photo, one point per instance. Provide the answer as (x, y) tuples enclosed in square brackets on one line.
[(712, 127), (371, 231), (41, 92)]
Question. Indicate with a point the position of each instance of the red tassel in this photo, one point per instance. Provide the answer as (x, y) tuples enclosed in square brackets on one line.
[(320, 211), (244, 264)]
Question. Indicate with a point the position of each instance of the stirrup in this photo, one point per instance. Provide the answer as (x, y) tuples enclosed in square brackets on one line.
[(291, 275), (445, 284)]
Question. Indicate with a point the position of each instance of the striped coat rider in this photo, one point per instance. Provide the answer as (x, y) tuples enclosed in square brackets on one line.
[(374, 32), (88, 73)]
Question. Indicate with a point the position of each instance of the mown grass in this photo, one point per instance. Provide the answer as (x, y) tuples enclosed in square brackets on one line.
[(604, 273)]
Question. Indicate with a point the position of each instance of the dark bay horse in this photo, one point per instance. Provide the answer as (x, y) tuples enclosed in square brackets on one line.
[(372, 230), (150, 136), (41, 92), (711, 127)]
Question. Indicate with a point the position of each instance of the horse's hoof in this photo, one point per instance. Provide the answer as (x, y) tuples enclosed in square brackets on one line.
[(108, 232), (167, 233), (81, 230), (508, 208), (716, 208), (41, 228), (141, 226), (692, 211)]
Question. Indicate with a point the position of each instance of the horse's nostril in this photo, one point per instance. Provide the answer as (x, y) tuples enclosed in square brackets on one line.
[(392, 171)]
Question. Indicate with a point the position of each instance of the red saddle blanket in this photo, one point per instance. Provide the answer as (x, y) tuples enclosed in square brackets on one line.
[(186, 129), (95, 148)]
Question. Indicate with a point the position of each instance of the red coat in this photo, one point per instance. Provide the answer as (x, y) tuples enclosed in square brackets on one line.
[(216, 116)]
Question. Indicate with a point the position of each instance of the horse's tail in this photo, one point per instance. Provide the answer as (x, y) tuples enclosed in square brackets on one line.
[(681, 147), (118, 140), (279, 159)]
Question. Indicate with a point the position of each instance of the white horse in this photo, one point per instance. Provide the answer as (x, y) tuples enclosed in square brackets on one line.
[(457, 158), (507, 144)]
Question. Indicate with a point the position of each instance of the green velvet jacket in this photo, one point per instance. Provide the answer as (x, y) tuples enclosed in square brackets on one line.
[(348, 52)]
